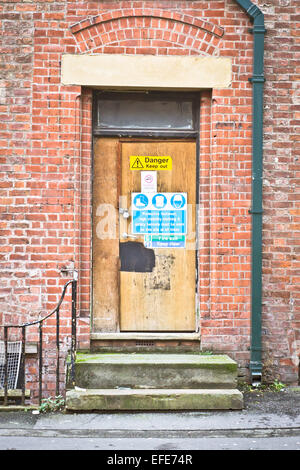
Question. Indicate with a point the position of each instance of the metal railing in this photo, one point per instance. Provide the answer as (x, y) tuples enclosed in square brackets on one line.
[(40, 323)]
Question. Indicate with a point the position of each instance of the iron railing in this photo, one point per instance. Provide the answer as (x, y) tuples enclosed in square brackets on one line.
[(40, 323)]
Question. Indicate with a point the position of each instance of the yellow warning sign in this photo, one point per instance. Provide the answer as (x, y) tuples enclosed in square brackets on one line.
[(150, 163)]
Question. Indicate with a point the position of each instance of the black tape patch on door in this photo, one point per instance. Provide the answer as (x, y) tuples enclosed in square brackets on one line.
[(136, 258)]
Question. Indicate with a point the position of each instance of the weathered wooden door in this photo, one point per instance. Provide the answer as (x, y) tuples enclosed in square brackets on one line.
[(137, 287), (162, 298)]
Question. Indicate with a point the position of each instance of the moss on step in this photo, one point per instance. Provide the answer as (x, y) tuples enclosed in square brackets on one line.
[(176, 360)]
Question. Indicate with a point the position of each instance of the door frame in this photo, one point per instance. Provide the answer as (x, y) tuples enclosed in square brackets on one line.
[(134, 135)]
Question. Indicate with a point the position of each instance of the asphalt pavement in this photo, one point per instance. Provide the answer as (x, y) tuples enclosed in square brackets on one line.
[(269, 421)]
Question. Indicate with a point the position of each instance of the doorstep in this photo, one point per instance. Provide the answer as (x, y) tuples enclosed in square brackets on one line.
[(134, 381), (153, 400), (144, 341), (146, 336)]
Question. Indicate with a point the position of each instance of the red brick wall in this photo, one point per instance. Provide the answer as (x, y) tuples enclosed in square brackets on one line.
[(46, 162), (281, 192)]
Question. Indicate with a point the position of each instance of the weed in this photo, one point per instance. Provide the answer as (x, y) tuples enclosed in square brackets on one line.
[(52, 404), (276, 386)]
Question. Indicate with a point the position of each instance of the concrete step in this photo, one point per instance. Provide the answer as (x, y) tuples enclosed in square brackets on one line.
[(155, 371), (152, 400)]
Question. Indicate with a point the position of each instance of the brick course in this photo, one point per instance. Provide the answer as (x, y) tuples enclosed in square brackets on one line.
[(45, 156)]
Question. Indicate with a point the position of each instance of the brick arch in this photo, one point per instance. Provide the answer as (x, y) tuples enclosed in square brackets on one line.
[(146, 31)]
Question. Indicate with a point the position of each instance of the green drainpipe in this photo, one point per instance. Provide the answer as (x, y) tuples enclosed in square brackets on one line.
[(257, 80)]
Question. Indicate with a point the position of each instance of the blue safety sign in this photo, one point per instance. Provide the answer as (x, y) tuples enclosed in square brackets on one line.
[(159, 213)]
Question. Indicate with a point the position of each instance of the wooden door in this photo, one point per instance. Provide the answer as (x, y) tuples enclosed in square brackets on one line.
[(157, 285)]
